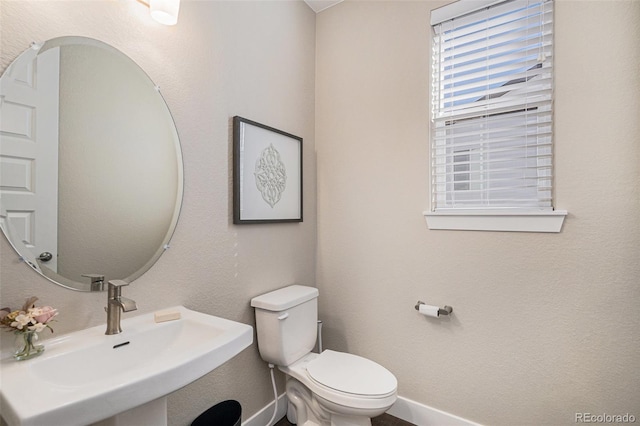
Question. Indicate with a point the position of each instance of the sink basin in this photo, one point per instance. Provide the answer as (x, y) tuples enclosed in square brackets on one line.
[(87, 376)]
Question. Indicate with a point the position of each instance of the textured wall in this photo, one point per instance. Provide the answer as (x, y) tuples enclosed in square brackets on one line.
[(544, 326), (254, 59)]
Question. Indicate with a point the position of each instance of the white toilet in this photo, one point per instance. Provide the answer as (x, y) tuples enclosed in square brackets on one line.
[(331, 388)]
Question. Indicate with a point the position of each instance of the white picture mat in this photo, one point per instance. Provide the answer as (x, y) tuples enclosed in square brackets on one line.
[(253, 141)]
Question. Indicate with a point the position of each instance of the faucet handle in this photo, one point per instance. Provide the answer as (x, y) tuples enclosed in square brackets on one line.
[(117, 283), (115, 288)]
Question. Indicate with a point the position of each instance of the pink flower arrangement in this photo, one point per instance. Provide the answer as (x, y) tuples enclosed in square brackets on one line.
[(29, 318)]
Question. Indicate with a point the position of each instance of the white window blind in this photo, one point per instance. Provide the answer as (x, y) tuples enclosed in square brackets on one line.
[(492, 108)]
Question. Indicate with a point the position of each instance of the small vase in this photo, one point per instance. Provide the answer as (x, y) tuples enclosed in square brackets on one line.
[(26, 346)]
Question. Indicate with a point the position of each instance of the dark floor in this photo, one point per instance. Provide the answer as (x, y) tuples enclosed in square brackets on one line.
[(383, 420)]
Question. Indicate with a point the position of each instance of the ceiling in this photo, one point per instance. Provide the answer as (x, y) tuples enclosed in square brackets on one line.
[(320, 5)]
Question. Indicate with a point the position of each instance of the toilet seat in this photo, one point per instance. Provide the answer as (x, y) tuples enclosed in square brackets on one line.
[(351, 374), (364, 384)]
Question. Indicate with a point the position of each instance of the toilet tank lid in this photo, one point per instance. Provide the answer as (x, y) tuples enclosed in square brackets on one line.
[(284, 298)]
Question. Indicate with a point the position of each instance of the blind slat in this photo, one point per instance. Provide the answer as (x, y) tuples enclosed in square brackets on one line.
[(495, 106), (480, 73), (469, 136), (451, 158), (478, 90), (496, 44), (493, 12), (543, 44), (541, 116), (510, 56), (457, 30), (489, 165)]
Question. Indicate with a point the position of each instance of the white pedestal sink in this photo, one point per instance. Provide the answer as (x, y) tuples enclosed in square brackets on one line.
[(86, 376)]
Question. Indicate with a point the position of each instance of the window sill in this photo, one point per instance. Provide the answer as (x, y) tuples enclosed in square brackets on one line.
[(491, 220)]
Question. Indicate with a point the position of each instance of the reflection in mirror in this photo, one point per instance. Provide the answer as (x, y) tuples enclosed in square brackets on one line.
[(91, 168)]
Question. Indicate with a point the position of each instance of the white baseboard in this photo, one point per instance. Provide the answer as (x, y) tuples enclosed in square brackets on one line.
[(405, 409), (423, 415), (263, 416)]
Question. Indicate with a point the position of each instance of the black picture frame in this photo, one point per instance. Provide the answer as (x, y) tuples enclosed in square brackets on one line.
[(267, 174)]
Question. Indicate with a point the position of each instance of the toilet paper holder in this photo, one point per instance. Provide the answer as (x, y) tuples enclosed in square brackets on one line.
[(446, 310)]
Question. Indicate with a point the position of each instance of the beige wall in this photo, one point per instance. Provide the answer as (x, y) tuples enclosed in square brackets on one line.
[(254, 59), (544, 325)]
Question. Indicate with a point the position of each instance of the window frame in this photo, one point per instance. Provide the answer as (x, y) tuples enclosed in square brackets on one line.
[(513, 219)]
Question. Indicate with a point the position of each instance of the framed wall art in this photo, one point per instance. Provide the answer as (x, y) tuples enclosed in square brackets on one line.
[(267, 174)]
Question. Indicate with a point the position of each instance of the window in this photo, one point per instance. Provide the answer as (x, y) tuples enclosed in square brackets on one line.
[(492, 98)]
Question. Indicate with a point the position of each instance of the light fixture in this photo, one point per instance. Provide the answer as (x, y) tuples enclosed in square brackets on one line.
[(165, 11)]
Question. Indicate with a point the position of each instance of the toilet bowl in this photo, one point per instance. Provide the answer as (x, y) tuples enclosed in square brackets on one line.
[(344, 384), (331, 388)]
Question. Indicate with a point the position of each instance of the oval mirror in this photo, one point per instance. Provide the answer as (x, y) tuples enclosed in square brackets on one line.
[(90, 163)]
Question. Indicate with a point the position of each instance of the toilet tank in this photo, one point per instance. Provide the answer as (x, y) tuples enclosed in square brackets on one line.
[(286, 323)]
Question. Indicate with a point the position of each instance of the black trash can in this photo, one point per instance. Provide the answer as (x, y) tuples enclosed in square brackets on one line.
[(225, 413)]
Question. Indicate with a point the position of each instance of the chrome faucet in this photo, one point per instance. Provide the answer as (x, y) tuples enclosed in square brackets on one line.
[(117, 304)]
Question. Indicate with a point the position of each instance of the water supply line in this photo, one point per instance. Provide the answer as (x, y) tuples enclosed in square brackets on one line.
[(275, 395), (319, 336)]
